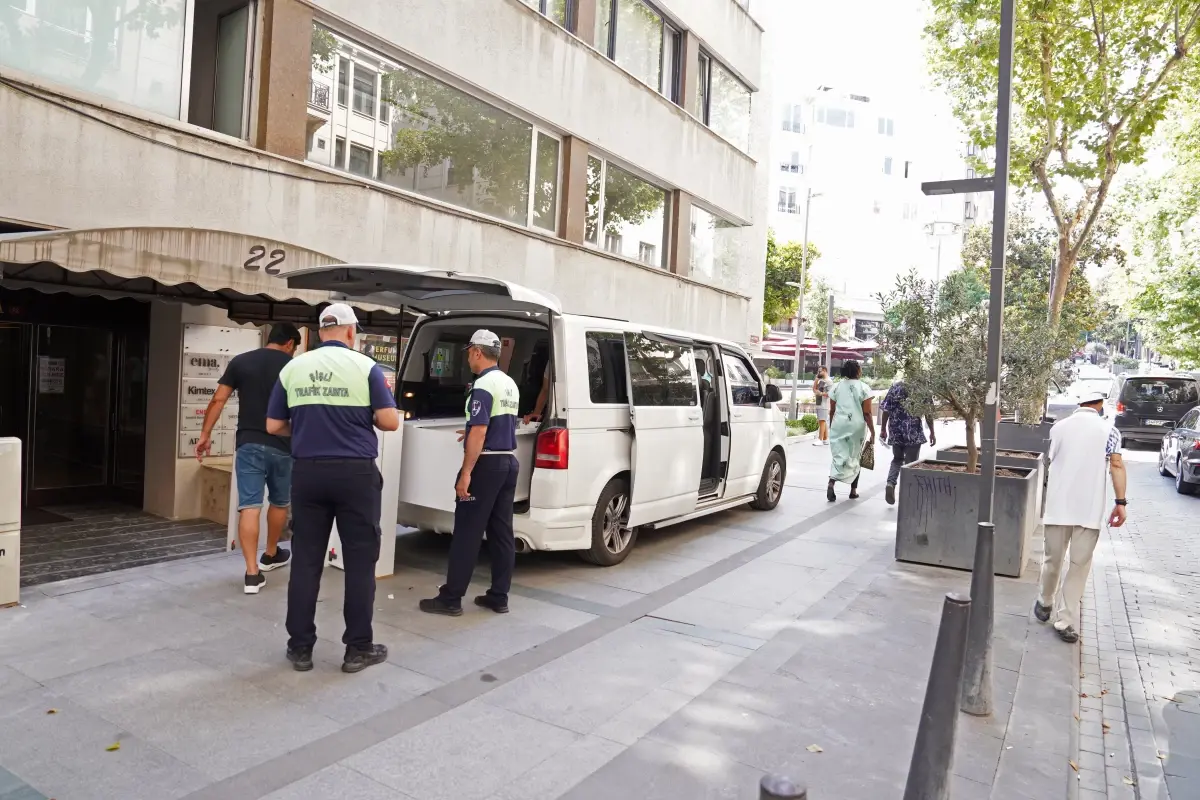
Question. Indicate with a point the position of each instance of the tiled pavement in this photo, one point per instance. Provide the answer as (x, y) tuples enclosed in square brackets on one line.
[(1139, 725), (719, 650)]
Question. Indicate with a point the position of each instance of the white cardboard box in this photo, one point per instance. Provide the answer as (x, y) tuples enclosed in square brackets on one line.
[(10, 568)]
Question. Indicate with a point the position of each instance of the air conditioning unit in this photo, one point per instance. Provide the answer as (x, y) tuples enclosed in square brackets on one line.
[(10, 521)]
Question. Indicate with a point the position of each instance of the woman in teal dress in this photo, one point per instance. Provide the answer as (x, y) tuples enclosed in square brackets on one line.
[(850, 419)]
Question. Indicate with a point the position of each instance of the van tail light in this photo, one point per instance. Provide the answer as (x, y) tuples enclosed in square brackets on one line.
[(553, 449), (1120, 407)]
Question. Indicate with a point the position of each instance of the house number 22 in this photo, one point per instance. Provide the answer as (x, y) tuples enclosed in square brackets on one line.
[(258, 253)]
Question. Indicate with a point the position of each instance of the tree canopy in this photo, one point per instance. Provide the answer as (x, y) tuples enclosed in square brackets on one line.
[(1092, 79), (783, 266)]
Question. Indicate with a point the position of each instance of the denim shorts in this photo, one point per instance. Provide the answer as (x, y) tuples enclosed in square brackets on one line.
[(260, 467)]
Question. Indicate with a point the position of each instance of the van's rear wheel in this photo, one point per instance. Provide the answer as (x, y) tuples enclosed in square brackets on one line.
[(770, 486), (612, 538)]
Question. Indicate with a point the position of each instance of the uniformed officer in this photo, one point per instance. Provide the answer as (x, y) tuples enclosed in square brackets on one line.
[(486, 484), (331, 399)]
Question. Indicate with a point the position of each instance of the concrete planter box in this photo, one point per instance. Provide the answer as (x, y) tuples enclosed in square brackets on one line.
[(958, 455), (938, 512), (1011, 436)]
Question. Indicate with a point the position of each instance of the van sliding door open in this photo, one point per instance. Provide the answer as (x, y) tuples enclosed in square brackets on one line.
[(668, 441)]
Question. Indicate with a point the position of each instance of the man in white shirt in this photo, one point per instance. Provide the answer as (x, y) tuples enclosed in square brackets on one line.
[(1083, 447)]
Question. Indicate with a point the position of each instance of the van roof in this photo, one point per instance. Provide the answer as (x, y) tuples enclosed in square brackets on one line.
[(583, 319)]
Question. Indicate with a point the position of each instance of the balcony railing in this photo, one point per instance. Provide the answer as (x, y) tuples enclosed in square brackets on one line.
[(318, 95)]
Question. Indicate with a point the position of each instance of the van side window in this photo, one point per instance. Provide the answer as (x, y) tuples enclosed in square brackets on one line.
[(661, 373), (743, 383), (606, 368)]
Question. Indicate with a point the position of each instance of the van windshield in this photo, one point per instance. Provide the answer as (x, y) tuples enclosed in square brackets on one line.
[(1168, 391), (437, 378)]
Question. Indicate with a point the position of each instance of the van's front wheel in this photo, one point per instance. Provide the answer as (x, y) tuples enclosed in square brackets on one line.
[(770, 486), (612, 539)]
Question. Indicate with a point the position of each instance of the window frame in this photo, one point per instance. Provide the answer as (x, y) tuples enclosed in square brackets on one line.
[(542, 7), (672, 90), (704, 62), (664, 341), (746, 363), (619, 367), (601, 242), (354, 76), (533, 153)]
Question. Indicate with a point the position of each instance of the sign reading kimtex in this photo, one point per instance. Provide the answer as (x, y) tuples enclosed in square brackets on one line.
[(207, 350)]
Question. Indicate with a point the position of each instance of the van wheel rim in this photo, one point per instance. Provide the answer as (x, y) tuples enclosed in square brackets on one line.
[(774, 481), (616, 534)]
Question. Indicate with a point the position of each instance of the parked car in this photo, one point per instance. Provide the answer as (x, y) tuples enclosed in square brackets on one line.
[(1063, 402), (1179, 454), (1146, 407), (644, 427)]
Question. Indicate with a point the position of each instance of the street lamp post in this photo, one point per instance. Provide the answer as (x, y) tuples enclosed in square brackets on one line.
[(798, 361), (829, 336)]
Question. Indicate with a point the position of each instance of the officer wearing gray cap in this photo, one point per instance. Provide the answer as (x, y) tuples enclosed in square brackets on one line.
[(486, 484)]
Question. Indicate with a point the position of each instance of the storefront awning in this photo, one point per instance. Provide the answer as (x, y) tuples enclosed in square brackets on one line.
[(246, 274)]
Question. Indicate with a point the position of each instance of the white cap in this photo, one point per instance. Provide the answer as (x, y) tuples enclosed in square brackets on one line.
[(484, 338), (1087, 398), (337, 314)]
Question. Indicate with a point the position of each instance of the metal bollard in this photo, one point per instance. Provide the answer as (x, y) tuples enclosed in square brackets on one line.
[(933, 753), (774, 787), (977, 672)]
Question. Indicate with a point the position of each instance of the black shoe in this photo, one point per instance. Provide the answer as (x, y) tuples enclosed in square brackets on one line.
[(357, 660), (829, 495), (1068, 635), (301, 658), (437, 605), (487, 601), (281, 558), (254, 583), (1041, 612), (889, 494)]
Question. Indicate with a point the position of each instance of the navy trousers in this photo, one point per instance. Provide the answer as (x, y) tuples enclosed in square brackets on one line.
[(490, 509)]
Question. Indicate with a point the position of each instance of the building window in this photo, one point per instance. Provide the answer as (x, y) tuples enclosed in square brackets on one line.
[(969, 210), (793, 118), (703, 79), (729, 107), (972, 149), (910, 211), (887, 165), (787, 201), (436, 140), (887, 127), (672, 52), (556, 10), (360, 160), (634, 35), (876, 207), (907, 168), (970, 172), (140, 64), (793, 165), (835, 117), (627, 210), (343, 81), (716, 249)]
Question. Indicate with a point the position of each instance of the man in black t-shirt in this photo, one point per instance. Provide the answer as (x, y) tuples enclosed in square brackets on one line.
[(263, 463)]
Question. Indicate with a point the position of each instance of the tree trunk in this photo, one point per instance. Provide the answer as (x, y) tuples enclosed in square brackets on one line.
[(1062, 274), (972, 447)]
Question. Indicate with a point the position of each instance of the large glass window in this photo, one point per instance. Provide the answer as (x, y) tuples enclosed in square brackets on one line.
[(661, 372), (360, 160), (629, 211), (127, 50), (837, 117), (703, 77), (556, 10), (606, 368), (343, 81), (729, 107), (364, 90), (634, 35), (545, 183), (716, 248)]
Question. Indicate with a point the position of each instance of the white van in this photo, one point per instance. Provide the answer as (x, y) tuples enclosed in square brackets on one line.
[(702, 433)]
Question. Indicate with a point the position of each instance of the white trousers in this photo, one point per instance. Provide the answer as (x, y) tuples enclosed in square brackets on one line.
[(1080, 542)]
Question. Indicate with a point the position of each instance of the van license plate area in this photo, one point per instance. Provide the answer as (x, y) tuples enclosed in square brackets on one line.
[(1160, 423)]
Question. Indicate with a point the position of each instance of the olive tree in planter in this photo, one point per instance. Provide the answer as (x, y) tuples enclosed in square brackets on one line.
[(940, 339)]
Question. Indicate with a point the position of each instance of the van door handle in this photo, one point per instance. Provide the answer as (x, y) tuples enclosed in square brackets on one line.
[(738, 414), (694, 417)]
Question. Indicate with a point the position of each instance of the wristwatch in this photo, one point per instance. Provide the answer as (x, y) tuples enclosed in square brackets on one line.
[(1122, 502)]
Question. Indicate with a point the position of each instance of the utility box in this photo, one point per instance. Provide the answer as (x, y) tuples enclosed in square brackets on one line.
[(10, 521)]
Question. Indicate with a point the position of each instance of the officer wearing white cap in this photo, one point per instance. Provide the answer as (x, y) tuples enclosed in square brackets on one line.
[(1083, 447), (486, 484), (331, 399)]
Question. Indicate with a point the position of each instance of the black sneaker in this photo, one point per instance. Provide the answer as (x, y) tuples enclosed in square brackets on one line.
[(254, 583), (301, 658), (1041, 612), (358, 660), (889, 494), (1068, 635), (282, 558), (487, 601), (437, 605)]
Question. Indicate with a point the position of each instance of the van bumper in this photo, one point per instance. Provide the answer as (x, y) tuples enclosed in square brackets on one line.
[(540, 528)]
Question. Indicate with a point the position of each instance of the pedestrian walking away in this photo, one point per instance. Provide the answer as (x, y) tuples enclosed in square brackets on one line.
[(905, 436), (820, 389), (331, 399), (851, 418), (262, 462), (1082, 448), (485, 485)]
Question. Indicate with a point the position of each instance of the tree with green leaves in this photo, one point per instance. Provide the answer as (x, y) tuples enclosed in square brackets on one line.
[(1092, 79), (783, 267)]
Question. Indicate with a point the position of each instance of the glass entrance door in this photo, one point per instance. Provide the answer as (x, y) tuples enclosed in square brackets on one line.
[(129, 416), (71, 392)]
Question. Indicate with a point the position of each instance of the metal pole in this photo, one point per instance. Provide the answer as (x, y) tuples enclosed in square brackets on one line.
[(977, 685), (933, 752), (798, 361), (829, 336), (773, 787)]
